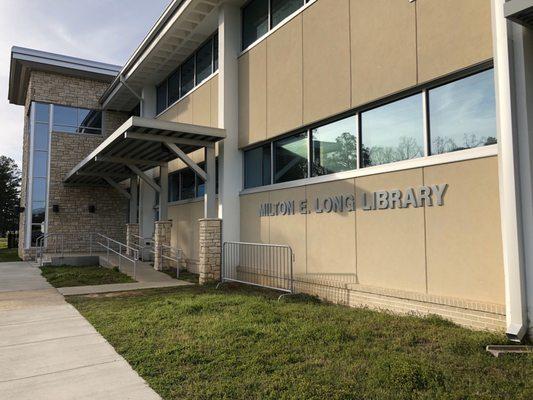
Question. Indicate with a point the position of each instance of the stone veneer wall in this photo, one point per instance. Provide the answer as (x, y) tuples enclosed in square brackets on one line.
[(67, 150)]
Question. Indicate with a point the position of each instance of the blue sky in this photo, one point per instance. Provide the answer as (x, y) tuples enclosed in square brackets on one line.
[(101, 30)]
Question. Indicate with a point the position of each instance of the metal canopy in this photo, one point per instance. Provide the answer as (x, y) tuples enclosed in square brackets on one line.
[(143, 143)]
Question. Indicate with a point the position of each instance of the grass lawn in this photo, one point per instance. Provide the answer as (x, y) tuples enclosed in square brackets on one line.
[(80, 276), (240, 343), (6, 254)]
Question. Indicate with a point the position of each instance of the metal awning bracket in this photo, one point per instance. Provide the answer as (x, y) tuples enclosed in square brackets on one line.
[(118, 187), (187, 160)]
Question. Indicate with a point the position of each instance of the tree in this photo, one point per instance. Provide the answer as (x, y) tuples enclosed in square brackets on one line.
[(9, 194)]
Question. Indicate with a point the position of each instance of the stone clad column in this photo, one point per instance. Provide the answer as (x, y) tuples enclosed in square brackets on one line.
[(162, 237), (132, 237), (210, 250)]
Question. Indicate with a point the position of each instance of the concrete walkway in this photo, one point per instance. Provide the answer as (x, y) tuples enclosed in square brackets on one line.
[(49, 351)]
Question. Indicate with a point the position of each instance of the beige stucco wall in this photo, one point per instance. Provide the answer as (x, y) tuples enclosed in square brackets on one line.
[(200, 107), (341, 54), (452, 250)]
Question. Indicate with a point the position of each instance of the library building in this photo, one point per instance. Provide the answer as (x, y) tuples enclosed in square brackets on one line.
[(374, 153)]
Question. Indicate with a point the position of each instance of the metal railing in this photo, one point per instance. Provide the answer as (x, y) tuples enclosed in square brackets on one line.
[(43, 242), (112, 246), (144, 245), (266, 265)]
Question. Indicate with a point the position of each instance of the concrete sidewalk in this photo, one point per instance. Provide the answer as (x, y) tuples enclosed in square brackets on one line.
[(49, 351)]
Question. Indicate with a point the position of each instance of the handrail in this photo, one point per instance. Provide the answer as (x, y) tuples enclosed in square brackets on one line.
[(108, 243), (39, 243)]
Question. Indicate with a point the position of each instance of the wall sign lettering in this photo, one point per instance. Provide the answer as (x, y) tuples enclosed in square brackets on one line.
[(428, 196)]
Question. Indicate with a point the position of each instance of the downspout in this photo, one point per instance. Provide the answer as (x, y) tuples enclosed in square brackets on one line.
[(509, 178)]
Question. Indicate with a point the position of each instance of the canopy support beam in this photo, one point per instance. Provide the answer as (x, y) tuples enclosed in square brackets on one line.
[(118, 187), (187, 160), (145, 177)]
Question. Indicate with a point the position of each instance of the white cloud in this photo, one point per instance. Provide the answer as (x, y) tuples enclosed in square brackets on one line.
[(99, 30)]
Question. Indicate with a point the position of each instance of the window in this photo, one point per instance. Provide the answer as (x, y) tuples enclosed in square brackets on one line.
[(204, 62), (257, 167), (174, 187), (188, 189), (462, 114), (290, 158), (215, 52), (254, 21), (192, 72), (76, 120), (281, 9), (393, 132), (40, 138), (200, 184), (187, 76), (173, 87), (334, 147), (257, 15), (161, 97)]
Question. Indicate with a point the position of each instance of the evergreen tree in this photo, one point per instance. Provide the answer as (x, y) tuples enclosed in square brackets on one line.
[(9, 195)]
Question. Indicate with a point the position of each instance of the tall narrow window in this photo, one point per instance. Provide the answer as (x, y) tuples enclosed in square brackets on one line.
[(215, 52), (161, 96), (39, 159), (333, 147), (290, 158), (281, 9), (254, 21), (462, 114), (257, 167), (393, 132), (187, 77), (174, 187), (173, 87), (204, 62), (187, 184)]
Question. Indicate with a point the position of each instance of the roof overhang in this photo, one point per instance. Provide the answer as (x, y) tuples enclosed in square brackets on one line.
[(24, 60), (141, 142), (181, 29), (519, 11)]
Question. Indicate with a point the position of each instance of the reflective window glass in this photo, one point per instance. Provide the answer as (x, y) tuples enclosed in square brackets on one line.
[(393, 132), (187, 76), (254, 21), (462, 114), (290, 158), (41, 134), (173, 87), (65, 116), (161, 97), (90, 121), (187, 184), (334, 147), (281, 9), (204, 60), (257, 167), (39, 189), (40, 164), (215, 52), (173, 187), (38, 212), (42, 112)]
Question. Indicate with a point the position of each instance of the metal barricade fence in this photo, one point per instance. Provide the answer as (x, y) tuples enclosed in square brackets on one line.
[(266, 265)]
